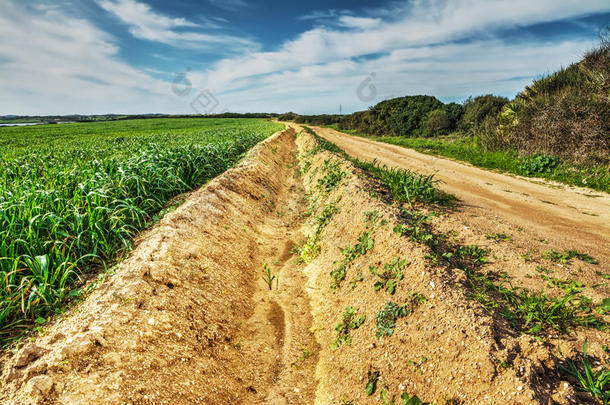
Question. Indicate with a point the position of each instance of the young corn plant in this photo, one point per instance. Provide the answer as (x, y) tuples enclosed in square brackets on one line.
[(595, 382), (269, 278)]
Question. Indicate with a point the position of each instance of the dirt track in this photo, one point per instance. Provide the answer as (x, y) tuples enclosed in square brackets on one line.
[(568, 217)]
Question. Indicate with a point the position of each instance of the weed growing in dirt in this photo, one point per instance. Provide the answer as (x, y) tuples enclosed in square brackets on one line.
[(311, 247), (387, 316), (385, 397), (558, 257), (350, 253), (532, 313), (405, 185), (597, 383), (411, 400), (472, 253), (349, 322), (268, 278), (392, 273), (371, 384), (416, 229), (333, 177), (498, 237)]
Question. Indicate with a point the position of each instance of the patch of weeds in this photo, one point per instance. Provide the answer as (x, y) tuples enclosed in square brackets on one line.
[(349, 322), (595, 382), (391, 274), (371, 384), (404, 185), (472, 253), (416, 229), (311, 247), (569, 286), (532, 313), (350, 253), (268, 278), (498, 237), (387, 316), (333, 177), (558, 257)]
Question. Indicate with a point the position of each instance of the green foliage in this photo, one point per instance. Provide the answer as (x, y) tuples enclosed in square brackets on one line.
[(597, 383), (386, 318), (333, 177), (350, 253), (438, 123), (73, 196), (533, 313), (311, 247), (411, 400), (478, 109), (559, 257), (498, 237), (538, 163), (371, 384), (349, 322), (391, 274), (407, 186), (268, 278), (472, 253)]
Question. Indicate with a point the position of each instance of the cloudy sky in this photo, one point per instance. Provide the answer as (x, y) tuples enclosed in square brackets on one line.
[(210, 56)]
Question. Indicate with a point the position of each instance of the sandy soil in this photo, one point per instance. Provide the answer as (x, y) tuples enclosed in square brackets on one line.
[(568, 217), (188, 319)]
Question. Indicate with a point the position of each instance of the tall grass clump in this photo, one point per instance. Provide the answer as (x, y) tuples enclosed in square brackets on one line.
[(72, 197)]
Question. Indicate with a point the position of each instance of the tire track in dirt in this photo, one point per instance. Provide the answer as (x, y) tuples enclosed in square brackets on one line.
[(568, 217)]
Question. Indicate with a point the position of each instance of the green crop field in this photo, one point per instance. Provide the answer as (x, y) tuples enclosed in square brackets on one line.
[(73, 195)]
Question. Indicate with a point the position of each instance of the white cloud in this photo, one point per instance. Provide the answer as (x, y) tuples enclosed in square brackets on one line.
[(52, 63), (145, 23), (418, 28), (359, 22)]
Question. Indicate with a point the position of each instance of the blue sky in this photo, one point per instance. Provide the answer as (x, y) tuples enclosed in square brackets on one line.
[(210, 56)]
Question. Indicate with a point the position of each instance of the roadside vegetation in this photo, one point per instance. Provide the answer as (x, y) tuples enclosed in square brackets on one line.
[(73, 196), (557, 128)]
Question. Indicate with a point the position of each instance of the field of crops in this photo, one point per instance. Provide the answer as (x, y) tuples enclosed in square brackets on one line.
[(73, 195)]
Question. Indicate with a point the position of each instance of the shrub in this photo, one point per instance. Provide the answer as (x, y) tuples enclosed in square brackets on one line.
[(477, 110), (438, 123)]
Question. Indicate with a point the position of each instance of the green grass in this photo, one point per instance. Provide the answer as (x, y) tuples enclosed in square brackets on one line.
[(73, 196), (595, 382), (559, 257), (404, 185), (469, 149)]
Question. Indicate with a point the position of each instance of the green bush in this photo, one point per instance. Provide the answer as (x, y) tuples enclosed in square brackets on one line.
[(478, 109), (438, 123)]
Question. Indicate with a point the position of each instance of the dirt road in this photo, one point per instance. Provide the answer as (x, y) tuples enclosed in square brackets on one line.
[(570, 218)]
